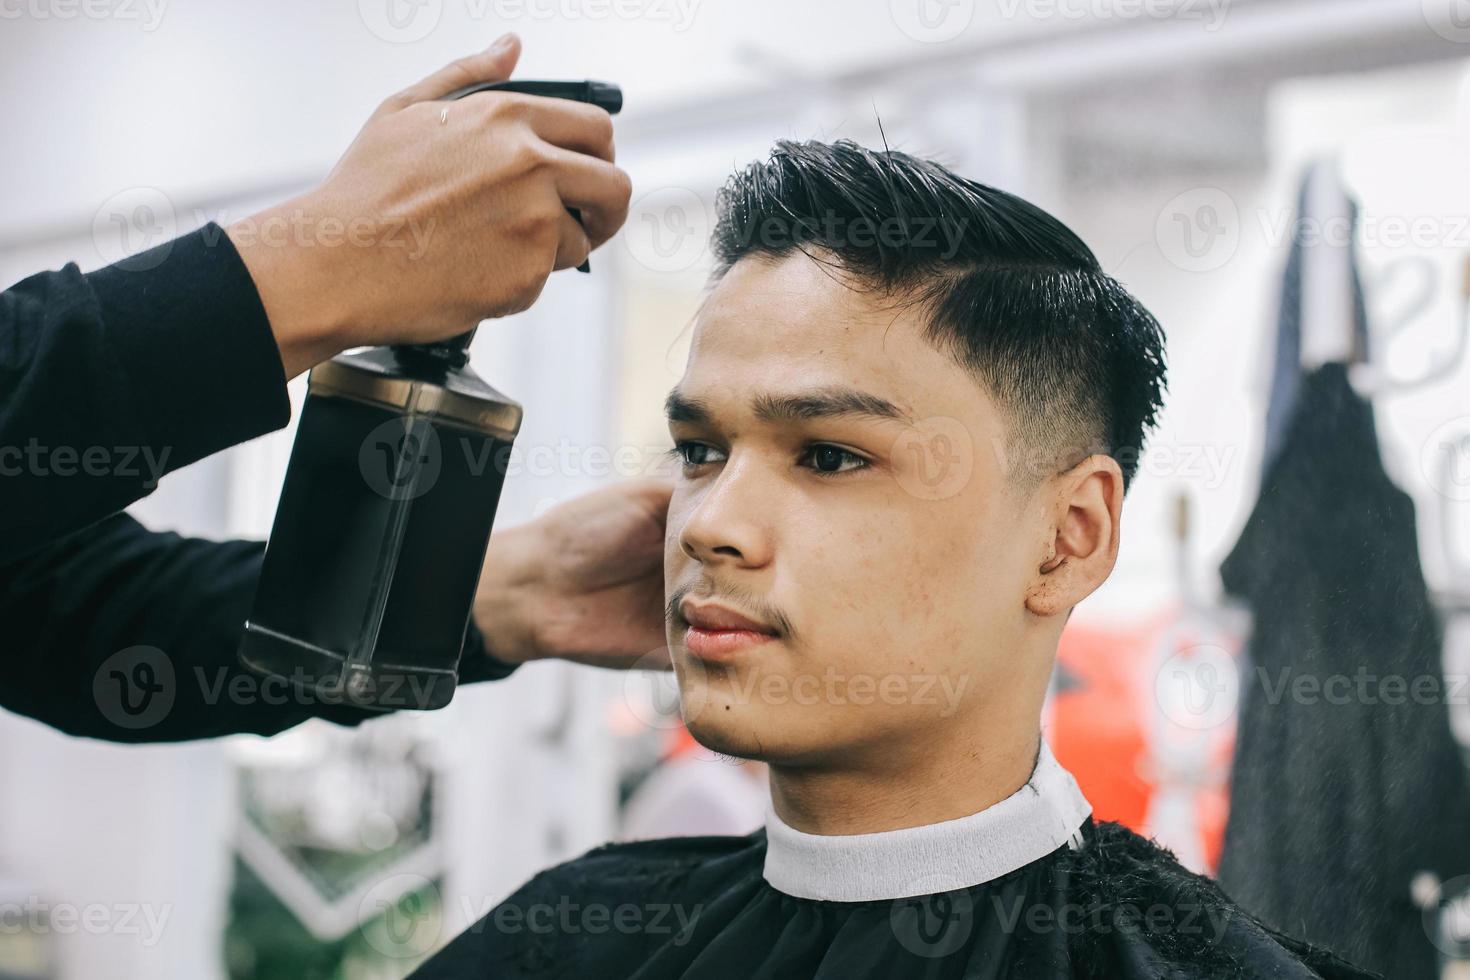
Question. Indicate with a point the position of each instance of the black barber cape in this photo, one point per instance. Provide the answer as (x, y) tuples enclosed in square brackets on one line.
[(109, 380), (1028, 888), (1348, 782)]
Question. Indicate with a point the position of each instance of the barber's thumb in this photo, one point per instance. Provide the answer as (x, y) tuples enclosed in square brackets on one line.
[(494, 64)]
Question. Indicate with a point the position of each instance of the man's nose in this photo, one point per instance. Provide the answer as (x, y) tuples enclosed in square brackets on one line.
[(731, 519)]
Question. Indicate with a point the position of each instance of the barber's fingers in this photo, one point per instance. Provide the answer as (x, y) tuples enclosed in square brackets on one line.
[(494, 64), (573, 246), (596, 188), (566, 123)]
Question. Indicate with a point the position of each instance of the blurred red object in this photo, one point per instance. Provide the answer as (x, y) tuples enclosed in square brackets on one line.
[(1147, 755)]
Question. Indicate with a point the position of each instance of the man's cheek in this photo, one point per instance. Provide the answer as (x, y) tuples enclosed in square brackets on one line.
[(846, 571)]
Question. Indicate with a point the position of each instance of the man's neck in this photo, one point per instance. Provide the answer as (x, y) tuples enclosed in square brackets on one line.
[(897, 792)]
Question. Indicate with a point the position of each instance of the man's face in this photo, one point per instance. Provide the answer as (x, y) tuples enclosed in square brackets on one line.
[(840, 484)]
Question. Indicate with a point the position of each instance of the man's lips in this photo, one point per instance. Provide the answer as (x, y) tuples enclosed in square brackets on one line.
[(717, 632), (715, 617)]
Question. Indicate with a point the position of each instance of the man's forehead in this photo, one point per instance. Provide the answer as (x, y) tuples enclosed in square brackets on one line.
[(784, 324), (796, 304)]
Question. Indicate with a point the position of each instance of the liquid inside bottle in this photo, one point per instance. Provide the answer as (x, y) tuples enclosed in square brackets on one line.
[(381, 531)]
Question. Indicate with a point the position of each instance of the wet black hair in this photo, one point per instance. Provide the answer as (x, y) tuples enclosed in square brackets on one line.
[(1074, 360)]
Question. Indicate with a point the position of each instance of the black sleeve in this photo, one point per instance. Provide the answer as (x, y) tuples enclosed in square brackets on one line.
[(130, 635), (108, 380)]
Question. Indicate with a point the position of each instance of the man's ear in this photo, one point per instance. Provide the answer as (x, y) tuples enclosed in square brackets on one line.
[(1084, 508)]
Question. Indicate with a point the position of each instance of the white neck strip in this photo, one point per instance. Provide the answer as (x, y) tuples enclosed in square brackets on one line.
[(1024, 827)]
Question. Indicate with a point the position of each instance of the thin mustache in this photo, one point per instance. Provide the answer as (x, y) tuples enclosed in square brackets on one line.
[(742, 599)]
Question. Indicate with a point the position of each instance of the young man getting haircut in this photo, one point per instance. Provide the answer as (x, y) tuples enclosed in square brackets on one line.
[(910, 412)]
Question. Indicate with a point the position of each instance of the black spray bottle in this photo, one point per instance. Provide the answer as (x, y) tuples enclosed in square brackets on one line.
[(385, 516)]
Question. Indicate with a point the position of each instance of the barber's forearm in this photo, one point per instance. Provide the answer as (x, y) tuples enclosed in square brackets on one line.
[(503, 609)]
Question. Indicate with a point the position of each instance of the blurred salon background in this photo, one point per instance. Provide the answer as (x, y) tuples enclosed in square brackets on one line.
[(1284, 183)]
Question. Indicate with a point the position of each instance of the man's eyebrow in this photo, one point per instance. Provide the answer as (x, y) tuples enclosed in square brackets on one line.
[(828, 401)]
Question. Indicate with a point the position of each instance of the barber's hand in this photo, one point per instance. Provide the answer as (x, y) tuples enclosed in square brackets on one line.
[(583, 582), (440, 214)]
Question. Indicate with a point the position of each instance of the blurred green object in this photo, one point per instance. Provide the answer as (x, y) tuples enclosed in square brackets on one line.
[(265, 942)]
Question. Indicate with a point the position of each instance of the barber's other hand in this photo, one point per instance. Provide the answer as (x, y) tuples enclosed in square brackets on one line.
[(440, 214), (582, 582)]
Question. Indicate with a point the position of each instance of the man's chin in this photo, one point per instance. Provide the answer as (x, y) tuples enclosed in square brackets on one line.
[(723, 723), (727, 743), (761, 744), (747, 731)]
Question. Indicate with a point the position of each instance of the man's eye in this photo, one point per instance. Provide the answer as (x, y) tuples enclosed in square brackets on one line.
[(694, 453), (828, 460)]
